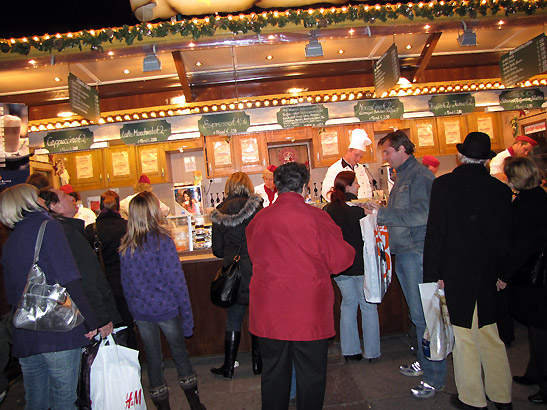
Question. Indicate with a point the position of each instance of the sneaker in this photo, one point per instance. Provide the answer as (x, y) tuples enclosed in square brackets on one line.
[(412, 369), (424, 391)]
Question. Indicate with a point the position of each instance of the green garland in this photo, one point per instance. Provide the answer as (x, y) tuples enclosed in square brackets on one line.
[(256, 22)]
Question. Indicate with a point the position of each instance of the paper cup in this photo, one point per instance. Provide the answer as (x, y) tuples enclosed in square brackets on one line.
[(12, 131)]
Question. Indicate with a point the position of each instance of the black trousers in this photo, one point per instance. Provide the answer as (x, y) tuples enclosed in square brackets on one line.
[(537, 366), (310, 361)]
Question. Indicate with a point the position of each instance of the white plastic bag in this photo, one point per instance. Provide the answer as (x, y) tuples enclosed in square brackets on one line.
[(377, 259), (438, 339), (116, 378)]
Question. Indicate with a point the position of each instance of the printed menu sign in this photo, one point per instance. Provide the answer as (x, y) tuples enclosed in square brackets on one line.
[(386, 70), (379, 110), (84, 100), (224, 124), (452, 104), (307, 115), (145, 132), (68, 140), (525, 61), (522, 99)]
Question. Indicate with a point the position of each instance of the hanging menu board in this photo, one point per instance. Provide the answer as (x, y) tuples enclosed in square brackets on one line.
[(379, 110), (522, 99), (68, 140), (224, 124), (84, 100), (387, 70), (525, 61), (303, 116), (452, 104)]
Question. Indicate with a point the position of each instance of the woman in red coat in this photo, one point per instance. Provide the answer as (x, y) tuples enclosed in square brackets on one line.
[(294, 248)]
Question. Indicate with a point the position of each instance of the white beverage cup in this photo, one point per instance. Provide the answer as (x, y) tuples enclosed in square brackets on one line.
[(12, 131)]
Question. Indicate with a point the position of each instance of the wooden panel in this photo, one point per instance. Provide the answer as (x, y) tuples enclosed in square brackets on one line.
[(151, 161), (120, 166), (451, 131), (185, 145), (489, 122), (327, 145), (85, 169), (220, 162), (290, 135), (250, 162), (423, 133)]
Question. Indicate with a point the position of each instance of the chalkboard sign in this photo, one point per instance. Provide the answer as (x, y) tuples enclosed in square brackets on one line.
[(303, 116), (379, 110), (68, 140), (452, 104), (522, 99), (145, 132), (525, 61), (386, 70), (84, 100), (224, 124)]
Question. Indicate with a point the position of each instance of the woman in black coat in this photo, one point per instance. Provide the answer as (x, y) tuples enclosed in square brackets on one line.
[(230, 219), (529, 237), (351, 281)]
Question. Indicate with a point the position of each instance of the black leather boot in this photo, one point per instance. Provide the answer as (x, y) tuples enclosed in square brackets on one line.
[(231, 344), (160, 397), (190, 387), (255, 355)]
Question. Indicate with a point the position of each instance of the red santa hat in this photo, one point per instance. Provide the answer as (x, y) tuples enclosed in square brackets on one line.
[(531, 141), (67, 189), (430, 160), (144, 179), (271, 168)]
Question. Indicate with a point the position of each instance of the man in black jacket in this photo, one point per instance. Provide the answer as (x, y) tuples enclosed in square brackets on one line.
[(467, 235)]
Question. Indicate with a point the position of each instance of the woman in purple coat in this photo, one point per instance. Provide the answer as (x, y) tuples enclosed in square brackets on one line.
[(155, 290)]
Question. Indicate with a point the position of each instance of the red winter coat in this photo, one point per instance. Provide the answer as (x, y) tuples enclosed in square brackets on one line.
[(294, 249)]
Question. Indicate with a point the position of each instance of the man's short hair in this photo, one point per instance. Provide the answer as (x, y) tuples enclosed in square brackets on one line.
[(396, 139), (38, 179), (466, 160), (521, 172), (291, 177), (49, 197), (110, 200)]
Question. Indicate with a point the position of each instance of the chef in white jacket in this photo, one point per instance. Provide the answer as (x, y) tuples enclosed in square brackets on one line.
[(350, 162)]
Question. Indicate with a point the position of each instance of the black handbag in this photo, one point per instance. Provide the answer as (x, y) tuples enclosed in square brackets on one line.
[(225, 285), (533, 274)]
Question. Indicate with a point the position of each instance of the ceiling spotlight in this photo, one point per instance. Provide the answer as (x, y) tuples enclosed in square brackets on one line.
[(313, 48), (151, 61), (199, 63), (468, 38)]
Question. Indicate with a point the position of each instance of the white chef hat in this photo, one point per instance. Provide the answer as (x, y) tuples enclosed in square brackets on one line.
[(359, 139)]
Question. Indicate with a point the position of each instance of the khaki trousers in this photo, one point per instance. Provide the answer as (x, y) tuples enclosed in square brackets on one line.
[(475, 348)]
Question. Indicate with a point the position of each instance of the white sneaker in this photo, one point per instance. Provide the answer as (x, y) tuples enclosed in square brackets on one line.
[(424, 391), (412, 369)]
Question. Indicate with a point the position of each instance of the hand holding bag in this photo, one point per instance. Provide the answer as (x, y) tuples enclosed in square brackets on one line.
[(45, 307), (115, 381)]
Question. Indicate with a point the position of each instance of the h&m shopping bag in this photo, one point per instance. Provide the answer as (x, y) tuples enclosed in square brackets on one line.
[(377, 258), (438, 339), (116, 378)]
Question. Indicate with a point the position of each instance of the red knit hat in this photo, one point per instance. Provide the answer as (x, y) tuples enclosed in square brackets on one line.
[(430, 160), (67, 189), (144, 179), (532, 141), (271, 168)]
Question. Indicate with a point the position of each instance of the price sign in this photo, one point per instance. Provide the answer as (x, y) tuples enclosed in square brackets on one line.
[(525, 61), (387, 71)]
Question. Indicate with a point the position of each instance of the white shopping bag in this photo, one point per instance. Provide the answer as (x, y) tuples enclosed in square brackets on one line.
[(116, 378), (438, 340), (377, 259)]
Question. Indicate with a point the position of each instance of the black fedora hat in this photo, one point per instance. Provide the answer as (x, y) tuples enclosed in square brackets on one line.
[(476, 145)]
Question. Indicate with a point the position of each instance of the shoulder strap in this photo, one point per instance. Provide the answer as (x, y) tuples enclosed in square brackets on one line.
[(39, 241), (98, 246)]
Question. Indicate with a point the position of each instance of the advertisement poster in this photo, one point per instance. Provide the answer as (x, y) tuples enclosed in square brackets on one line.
[(452, 132), (249, 151), (188, 200), (425, 135), (329, 143), (485, 125), (84, 166), (149, 161), (120, 163), (222, 153)]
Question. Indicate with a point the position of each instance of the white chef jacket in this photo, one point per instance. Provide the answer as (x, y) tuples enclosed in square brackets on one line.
[(86, 215), (496, 164), (365, 189), (124, 207), (259, 190)]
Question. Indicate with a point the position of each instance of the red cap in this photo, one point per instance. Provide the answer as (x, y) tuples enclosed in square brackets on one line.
[(430, 160), (67, 189), (532, 141), (144, 179), (271, 168)]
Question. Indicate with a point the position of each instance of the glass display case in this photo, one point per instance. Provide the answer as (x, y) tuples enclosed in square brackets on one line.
[(190, 233)]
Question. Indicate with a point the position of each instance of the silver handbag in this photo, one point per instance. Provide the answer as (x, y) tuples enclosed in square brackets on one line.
[(45, 307)]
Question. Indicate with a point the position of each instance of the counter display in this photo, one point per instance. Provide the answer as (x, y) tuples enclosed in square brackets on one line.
[(190, 233)]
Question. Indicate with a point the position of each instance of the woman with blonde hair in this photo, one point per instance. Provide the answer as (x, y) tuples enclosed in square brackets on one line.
[(50, 361), (157, 296), (230, 219)]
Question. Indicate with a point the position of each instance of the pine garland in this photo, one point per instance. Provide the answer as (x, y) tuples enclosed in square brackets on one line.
[(256, 22)]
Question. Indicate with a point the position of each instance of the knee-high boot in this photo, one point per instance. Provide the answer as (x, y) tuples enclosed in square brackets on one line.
[(190, 387), (160, 397), (255, 355), (231, 344)]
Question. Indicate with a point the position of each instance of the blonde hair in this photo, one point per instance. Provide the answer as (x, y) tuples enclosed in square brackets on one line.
[(144, 218), (16, 200), (239, 184), (142, 187), (521, 172), (266, 172)]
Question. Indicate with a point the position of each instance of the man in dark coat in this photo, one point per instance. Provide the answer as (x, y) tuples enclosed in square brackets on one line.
[(467, 235)]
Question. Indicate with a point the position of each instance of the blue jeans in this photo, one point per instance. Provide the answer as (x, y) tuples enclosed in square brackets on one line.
[(409, 270), (353, 296), (234, 317), (51, 379), (150, 335)]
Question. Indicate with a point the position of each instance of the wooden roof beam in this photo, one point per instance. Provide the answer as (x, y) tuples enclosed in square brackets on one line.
[(425, 57), (183, 78)]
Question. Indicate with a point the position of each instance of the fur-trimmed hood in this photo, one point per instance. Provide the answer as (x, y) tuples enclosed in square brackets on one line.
[(235, 210)]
